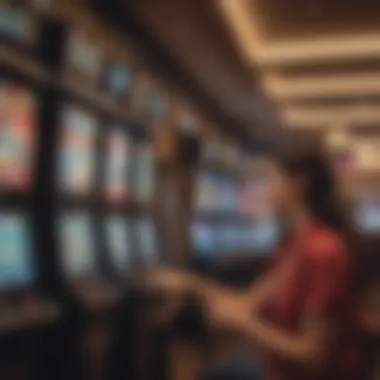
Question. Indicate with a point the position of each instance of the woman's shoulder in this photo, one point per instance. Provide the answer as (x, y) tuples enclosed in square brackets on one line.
[(326, 245)]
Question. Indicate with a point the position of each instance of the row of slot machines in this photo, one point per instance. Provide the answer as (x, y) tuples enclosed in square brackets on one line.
[(77, 241), (128, 172), (77, 186)]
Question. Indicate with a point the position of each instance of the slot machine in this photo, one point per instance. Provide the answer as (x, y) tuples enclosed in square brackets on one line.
[(117, 215), (136, 326), (84, 107), (150, 106), (91, 296), (26, 311)]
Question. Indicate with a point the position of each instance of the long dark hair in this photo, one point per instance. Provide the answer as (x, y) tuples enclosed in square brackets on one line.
[(321, 192)]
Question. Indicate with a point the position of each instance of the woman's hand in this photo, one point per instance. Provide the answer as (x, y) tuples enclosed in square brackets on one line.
[(229, 312), (167, 280)]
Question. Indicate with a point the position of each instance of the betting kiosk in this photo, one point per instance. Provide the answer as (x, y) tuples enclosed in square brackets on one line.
[(26, 313)]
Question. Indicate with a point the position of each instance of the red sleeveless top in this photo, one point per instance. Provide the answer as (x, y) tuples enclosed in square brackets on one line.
[(316, 280)]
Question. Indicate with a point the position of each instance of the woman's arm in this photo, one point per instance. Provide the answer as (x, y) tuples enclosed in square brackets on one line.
[(177, 282), (253, 297), (324, 289), (309, 347)]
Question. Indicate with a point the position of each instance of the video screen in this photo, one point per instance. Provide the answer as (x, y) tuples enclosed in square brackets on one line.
[(77, 244), (147, 241), (119, 80), (117, 166), (263, 235), (18, 119), (216, 193), (227, 198), (206, 193), (118, 241), (157, 104), (84, 55), (204, 240), (77, 151), (255, 198), (16, 254), (367, 214), (140, 96), (17, 24), (144, 173)]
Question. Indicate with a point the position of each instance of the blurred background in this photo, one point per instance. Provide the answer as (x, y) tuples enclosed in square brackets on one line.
[(137, 133)]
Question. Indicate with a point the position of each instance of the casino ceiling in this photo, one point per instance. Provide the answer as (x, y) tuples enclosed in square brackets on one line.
[(306, 65), (319, 60)]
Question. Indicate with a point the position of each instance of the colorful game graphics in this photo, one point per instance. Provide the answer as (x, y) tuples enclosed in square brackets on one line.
[(17, 136), (16, 264), (203, 237), (76, 240), (117, 166), (255, 199), (77, 151), (118, 242), (216, 193)]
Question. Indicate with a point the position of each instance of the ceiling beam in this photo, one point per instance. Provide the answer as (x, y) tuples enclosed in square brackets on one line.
[(318, 50), (281, 88), (329, 117)]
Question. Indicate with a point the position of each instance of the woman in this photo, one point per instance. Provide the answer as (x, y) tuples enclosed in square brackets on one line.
[(299, 312)]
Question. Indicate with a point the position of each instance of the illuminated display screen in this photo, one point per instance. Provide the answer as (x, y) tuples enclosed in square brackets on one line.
[(118, 242), (212, 241), (17, 25), (117, 166), (84, 54), (157, 104), (263, 235), (144, 173), (77, 153), (147, 242), (367, 214), (255, 198), (204, 240), (17, 136), (77, 245), (119, 80), (16, 264), (206, 192), (227, 194), (216, 192)]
